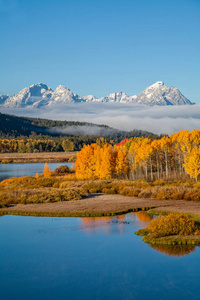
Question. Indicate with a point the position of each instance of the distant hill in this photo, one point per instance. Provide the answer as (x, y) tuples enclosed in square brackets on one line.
[(13, 126)]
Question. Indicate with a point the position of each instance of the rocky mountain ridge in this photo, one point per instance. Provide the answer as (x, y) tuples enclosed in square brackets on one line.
[(38, 95)]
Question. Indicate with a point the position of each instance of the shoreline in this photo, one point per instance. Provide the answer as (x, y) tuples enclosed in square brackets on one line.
[(97, 205)]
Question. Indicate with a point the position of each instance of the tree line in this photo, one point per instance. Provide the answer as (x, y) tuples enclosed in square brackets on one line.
[(44, 144), (173, 157)]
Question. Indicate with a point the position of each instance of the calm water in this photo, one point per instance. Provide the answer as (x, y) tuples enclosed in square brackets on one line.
[(91, 258), (18, 170)]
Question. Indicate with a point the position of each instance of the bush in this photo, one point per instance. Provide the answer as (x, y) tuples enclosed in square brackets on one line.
[(94, 187), (159, 183), (6, 161), (45, 182), (193, 195), (172, 224), (146, 193), (110, 191), (130, 191), (41, 196), (2, 205), (62, 169)]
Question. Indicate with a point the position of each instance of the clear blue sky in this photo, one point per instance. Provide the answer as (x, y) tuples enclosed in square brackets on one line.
[(99, 47)]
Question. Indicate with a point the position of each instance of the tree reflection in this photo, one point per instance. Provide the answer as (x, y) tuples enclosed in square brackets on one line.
[(177, 250), (107, 225), (144, 216)]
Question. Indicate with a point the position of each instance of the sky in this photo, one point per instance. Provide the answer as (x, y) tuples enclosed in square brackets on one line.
[(100, 47)]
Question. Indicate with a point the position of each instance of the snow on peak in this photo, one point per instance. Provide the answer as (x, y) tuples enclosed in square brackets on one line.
[(61, 88), (39, 85), (157, 84), (40, 94)]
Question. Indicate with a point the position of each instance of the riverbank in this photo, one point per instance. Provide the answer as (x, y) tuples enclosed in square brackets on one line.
[(103, 205), (37, 157)]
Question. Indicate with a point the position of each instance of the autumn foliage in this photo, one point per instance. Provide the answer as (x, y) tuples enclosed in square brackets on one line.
[(47, 172), (170, 158), (173, 224), (96, 162)]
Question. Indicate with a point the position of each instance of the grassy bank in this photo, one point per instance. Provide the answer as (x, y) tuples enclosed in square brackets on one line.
[(38, 196), (65, 187), (37, 157), (67, 214)]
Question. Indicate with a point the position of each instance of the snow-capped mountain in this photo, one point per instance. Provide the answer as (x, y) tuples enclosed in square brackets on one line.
[(3, 99), (118, 97), (160, 94), (29, 96), (38, 95)]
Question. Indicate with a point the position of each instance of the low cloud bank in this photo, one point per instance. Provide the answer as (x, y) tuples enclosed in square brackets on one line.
[(83, 130), (156, 119)]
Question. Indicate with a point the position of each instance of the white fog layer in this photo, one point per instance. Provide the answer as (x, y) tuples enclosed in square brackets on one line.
[(124, 116)]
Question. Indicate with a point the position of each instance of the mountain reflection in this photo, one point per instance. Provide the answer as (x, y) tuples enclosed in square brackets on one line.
[(177, 250)]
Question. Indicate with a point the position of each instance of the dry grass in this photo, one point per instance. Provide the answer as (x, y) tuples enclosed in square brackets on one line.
[(99, 205), (160, 196), (36, 157)]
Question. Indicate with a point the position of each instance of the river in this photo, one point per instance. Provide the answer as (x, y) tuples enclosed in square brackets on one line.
[(90, 258), (18, 170)]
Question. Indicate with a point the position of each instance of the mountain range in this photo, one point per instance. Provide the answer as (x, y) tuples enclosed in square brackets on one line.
[(40, 95)]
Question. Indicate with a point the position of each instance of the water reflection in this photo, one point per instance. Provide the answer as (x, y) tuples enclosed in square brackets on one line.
[(143, 216), (104, 225), (177, 250), (118, 225), (114, 224)]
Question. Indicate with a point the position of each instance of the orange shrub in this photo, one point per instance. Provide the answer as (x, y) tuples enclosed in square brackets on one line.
[(173, 224)]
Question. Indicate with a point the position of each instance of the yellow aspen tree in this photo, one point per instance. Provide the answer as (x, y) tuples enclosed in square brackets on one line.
[(82, 163), (165, 144), (121, 165), (143, 157), (133, 150), (85, 165), (107, 168), (184, 139), (192, 163), (157, 153), (195, 137), (178, 154), (36, 175), (47, 172), (98, 161)]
